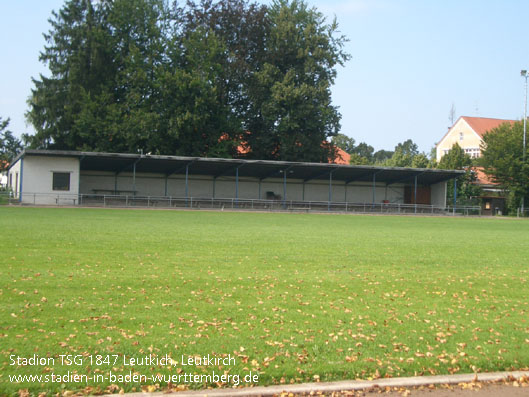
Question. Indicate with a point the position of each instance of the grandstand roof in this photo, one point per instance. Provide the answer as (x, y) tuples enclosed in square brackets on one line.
[(261, 169)]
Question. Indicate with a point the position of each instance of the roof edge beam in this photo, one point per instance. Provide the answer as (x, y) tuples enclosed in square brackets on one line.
[(132, 164), (229, 170), (278, 171), (182, 168), (416, 174), (369, 173)]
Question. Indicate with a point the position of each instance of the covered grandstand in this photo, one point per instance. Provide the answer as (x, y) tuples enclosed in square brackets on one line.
[(53, 177)]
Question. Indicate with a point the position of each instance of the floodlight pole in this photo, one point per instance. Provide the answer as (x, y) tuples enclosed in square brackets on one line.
[(524, 74)]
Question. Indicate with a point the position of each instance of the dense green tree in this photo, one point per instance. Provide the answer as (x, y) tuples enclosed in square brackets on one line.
[(455, 159), (381, 156), (242, 28), (407, 154), (78, 59), (290, 106), (365, 151), (193, 80), (399, 159), (10, 145), (420, 160), (503, 159), (403, 154), (198, 118), (433, 156), (140, 31), (347, 144), (357, 159), (407, 148), (467, 189)]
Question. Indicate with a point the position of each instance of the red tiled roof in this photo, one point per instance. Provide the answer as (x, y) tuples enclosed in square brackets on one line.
[(482, 124), (342, 157), (482, 178)]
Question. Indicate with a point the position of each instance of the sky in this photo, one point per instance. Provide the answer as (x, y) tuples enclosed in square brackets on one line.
[(411, 60)]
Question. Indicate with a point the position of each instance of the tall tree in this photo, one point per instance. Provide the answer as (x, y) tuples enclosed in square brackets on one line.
[(420, 160), (407, 148), (140, 34), (78, 59), (503, 159), (10, 145), (198, 117), (455, 159), (467, 189), (243, 29), (197, 80), (404, 154), (347, 144), (290, 106), (381, 156), (365, 151), (102, 92)]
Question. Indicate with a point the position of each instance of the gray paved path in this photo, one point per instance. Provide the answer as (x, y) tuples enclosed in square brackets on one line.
[(447, 385)]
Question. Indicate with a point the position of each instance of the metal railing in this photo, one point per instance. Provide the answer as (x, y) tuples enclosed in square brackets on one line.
[(464, 210), (197, 203)]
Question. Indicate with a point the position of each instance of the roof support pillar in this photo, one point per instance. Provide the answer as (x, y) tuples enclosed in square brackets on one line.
[(330, 191), (303, 191), (345, 188), (80, 197), (187, 182), (236, 186), (285, 189), (134, 178), (259, 192), (374, 186), (21, 180), (415, 194), (455, 195), (214, 183), (166, 181)]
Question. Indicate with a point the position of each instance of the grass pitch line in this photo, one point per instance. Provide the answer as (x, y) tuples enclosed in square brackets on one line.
[(347, 385)]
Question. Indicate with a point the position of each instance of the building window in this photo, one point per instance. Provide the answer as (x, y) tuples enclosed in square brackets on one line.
[(61, 181), (460, 136)]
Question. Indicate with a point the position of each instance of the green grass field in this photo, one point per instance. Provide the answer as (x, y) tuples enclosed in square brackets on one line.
[(289, 297)]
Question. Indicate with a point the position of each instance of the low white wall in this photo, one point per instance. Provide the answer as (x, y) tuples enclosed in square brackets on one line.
[(37, 180), (153, 185)]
